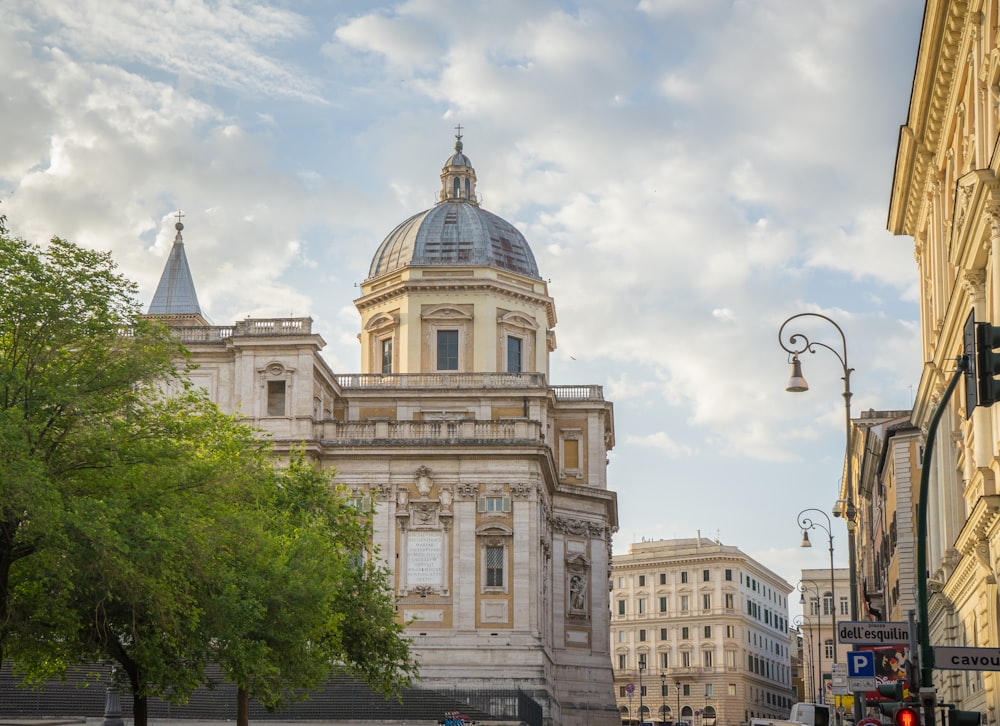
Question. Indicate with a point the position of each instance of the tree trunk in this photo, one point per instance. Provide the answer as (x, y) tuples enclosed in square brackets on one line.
[(242, 707), (140, 710)]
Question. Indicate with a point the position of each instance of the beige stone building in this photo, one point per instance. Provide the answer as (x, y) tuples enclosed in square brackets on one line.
[(825, 601), (946, 196), (700, 631), (487, 483)]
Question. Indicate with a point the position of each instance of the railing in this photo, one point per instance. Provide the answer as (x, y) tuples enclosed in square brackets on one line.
[(506, 431), (578, 393), (254, 327), (440, 380)]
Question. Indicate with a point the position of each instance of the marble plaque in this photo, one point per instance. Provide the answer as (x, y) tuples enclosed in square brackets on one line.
[(423, 559)]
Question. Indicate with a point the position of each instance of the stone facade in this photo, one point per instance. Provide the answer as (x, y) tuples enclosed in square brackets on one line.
[(487, 484), (946, 196), (701, 632)]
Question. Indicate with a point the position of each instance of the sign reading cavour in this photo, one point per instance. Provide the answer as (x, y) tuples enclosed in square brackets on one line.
[(967, 659), (872, 633)]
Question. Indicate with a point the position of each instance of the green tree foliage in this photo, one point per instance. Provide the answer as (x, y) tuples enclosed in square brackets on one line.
[(154, 532)]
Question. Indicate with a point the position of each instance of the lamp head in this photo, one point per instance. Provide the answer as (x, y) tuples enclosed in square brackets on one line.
[(802, 598), (805, 539), (797, 383)]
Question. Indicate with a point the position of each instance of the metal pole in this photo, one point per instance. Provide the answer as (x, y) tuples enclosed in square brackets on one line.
[(677, 685), (923, 626)]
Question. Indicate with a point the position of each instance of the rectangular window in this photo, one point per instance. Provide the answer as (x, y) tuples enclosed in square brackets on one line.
[(642, 580), (663, 604), (663, 578), (730, 631), (685, 633), (729, 600), (494, 504), (687, 686), (514, 346), (685, 603), (664, 661), (706, 602), (642, 635), (622, 636), (732, 689), (686, 662), (707, 630), (843, 606), (621, 607), (642, 606), (705, 575), (706, 660), (275, 398), (684, 577), (494, 566), (387, 355), (621, 582), (447, 350), (621, 662), (663, 633), (730, 659), (729, 575)]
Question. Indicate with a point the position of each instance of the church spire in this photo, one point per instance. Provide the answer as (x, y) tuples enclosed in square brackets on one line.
[(175, 295)]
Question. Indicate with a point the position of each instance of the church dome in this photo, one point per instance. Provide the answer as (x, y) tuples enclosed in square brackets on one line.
[(455, 231)]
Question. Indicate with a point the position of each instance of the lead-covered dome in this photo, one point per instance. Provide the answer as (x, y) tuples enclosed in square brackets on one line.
[(455, 231)]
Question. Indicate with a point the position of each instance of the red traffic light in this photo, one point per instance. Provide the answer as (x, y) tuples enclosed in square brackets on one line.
[(906, 716)]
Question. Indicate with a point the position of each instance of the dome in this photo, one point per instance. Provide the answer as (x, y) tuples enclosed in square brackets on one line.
[(455, 231)]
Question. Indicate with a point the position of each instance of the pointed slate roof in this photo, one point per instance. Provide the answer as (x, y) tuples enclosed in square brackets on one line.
[(175, 295)]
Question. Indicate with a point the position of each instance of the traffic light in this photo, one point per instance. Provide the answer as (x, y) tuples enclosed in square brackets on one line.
[(906, 716), (964, 718), (969, 354), (892, 691), (987, 363)]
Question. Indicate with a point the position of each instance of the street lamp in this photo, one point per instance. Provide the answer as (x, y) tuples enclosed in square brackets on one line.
[(642, 667), (798, 344), (814, 662), (663, 695), (805, 524), (677, 685)]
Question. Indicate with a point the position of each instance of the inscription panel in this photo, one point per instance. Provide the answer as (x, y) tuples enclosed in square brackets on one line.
[(423, 559)]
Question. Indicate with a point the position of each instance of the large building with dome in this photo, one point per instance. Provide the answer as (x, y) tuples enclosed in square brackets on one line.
[(487, 483)]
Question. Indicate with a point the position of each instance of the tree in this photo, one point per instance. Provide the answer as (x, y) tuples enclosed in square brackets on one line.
[(75, 356), (155, 532)]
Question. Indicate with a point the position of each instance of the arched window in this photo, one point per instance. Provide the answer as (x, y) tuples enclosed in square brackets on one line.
[(827, 603)]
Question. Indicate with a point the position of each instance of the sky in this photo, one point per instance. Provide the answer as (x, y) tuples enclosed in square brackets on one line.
[(688, 173)]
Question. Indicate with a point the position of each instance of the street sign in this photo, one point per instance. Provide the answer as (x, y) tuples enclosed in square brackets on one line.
[(873, 633), (861, 684), (861, 664), (967, 659), (838, 680), (869, 722), (630, 689)]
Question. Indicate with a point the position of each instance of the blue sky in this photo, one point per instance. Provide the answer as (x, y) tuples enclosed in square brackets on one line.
[(689, 173)]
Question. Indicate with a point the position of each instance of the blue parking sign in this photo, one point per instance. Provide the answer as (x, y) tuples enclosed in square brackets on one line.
[(861, 664)]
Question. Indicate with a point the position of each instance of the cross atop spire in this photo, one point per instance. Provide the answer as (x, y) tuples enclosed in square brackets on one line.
[(179, 226), (458, 138)]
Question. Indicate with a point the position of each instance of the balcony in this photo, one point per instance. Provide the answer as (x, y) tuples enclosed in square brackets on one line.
[(406, 433)]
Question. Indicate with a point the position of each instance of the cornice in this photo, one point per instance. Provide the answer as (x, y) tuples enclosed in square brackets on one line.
[(921, 138)]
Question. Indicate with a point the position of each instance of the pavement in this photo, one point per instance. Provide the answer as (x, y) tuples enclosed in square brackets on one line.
[(187, 722)]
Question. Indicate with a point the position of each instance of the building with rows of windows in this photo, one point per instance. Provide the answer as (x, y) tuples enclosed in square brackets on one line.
[(487, 484), (699, 634), (825, 600)]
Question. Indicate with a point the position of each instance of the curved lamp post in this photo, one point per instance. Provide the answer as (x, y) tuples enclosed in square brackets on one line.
[(663, 697), (814, 661), (677, 685), (806, 522), (796, 344)]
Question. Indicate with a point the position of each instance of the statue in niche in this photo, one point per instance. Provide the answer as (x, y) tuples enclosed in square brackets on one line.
[(424, 481), (578, 593)]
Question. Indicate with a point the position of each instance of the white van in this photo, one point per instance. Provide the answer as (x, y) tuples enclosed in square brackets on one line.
[(811, 714)]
